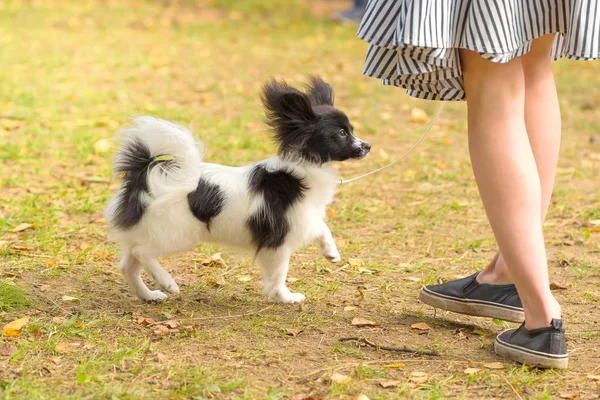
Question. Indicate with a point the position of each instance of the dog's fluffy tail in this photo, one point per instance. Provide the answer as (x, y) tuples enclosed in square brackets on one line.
[(154, 154)]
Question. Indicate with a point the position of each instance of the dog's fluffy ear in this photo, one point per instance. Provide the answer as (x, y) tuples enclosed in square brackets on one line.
[(288, 111), (320, 92)]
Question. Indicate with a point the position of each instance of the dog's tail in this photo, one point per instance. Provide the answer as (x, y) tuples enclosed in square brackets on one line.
[(154, 154)]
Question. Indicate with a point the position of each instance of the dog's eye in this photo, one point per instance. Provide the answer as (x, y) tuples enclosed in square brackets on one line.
[(343, 133)]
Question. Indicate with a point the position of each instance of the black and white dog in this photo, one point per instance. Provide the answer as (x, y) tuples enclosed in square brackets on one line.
[(170, 200)]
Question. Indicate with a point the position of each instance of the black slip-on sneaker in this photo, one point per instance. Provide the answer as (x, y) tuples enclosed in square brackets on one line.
[(467, 296), (542, 347)]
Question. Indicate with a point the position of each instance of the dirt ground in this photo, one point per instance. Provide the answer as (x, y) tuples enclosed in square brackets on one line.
[(72, 73)]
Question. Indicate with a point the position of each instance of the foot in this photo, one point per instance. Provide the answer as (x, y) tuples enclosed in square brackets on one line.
[(542, 347), (170, 286), (283, 295), (152, 296), (332, 255), (467, 296)]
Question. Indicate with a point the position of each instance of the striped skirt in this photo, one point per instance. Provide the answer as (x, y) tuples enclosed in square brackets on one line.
[(414, 44)]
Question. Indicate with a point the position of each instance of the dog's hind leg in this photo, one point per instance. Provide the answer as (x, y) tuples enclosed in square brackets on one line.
[(275, 264), (162, 278), (131, 268), (327, 245)]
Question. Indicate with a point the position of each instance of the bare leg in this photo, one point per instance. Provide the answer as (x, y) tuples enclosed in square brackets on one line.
[(327, 245), (507, 177), (131, 268), (543, 123), (275, 264)]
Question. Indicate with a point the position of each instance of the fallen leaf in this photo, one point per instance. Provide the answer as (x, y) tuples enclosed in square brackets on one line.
[(58, 320), (418, 115), (397, 366), (388, 384), (339, 378), (355, 262), (360, 293), (568, 395), (102, 146), (595, 221), (244, 279), (419, 377), (569, 243), (412, 279), (10, 124), (7, 349), (330, 212), (360, 321), (70, 298), (362, 270), (362, 396), (171, 324), (595, 378), (54, 360), (145, 321), (494, 365), (340, 241), (349, 308), (291, 332), (422, 326), (14, 328), (557, 285), (161, 330), (479, 332), (67, 347), (21, 227), (218, 283), (471, 371)]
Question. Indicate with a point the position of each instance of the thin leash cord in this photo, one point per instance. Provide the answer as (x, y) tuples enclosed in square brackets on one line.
[(433, 121)]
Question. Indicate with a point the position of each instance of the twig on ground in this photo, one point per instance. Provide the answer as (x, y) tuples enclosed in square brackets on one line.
[(513, 388), (402, 349)]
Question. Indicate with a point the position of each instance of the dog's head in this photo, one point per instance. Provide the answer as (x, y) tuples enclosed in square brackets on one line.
[(307, 126)]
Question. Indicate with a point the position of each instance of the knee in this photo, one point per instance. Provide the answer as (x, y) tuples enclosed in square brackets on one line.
[(538, 59)]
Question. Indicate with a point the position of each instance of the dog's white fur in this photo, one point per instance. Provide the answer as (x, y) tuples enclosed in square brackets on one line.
[(168, 226)]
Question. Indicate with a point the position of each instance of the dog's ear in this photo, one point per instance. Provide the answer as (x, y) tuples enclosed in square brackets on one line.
[(320, 92), (285, 103)]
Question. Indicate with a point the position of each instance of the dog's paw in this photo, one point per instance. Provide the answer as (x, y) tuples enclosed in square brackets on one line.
[(153, 296), (171, 287), (290, 298), (334, 258)]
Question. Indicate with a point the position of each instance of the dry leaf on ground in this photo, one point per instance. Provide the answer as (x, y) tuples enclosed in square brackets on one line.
[(360, 321), (419, 377), (397, 365), (422, 326), (349, 308), (291, 332), (557, 285), (388, 384), (14, 328), (21, 227), (339, 378), (595, 378), (67, 347), (355, 262), (70, 298), (471, 371), (494, 365), (7, 349), (362, 396), (564, 395)]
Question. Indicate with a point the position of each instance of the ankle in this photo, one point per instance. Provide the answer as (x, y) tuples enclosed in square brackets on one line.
[(496, 272), (543, 315)]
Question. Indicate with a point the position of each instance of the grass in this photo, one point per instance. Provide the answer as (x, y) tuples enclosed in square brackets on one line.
[(72, 73)]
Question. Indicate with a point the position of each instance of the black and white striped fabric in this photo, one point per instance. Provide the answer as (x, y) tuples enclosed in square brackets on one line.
[(414, 43)]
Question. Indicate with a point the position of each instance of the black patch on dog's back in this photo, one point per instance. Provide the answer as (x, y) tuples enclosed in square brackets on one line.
[(134, 162), (206, 202), (280, 189)]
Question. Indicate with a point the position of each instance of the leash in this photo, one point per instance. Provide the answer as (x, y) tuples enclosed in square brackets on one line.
[(433, 121)]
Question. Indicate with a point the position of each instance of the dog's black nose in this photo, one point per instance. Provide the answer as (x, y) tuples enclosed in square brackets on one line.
[(366, 146)]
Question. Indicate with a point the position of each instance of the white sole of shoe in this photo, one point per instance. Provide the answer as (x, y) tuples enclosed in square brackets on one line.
[(476, 308)]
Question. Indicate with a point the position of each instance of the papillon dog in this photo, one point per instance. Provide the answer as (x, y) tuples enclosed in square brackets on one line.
[(169, 200)]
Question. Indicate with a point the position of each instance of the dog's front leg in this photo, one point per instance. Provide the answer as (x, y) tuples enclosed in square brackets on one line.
[(275, 264), (327, 245)]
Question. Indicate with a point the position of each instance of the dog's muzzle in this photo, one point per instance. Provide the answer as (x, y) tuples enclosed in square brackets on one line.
[(362, 150)]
